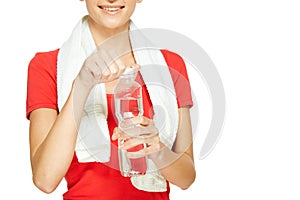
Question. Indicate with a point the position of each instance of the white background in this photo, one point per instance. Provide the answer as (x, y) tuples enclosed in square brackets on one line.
[(256, 48)]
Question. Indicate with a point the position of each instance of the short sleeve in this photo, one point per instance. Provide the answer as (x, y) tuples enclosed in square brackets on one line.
[(41, 82), (180, 78)]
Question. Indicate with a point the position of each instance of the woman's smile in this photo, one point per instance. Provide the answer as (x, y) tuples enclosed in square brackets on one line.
[(111, 10)]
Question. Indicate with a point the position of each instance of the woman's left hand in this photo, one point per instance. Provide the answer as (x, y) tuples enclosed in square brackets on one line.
[(138, 131)]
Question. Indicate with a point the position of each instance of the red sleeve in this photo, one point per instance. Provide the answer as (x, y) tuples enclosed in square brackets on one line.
[(180, 78), (41, 82)]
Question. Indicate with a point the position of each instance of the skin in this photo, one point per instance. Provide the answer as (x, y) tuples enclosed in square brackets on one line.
[(53, 136)]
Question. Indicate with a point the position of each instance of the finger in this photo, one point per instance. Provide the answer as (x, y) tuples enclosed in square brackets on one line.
[(140, 131), (88, 72), (144, 152), (121, 66), (126, 124), (116, 134), (96, 67), (92, 67), (103, 61), (133, 142), (114, 72), (112, 69), (105, 75), (119, 134), (142, 120), (104, 55)]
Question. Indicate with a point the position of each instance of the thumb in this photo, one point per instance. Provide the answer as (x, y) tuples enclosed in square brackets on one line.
[(135, 67)]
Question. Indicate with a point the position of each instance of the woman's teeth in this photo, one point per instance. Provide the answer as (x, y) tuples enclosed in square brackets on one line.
[(111, 9)]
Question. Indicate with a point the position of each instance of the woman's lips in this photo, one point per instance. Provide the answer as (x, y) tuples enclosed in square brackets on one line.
[(111, 10)]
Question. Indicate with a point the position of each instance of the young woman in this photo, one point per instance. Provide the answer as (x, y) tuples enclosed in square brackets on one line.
[(54, 129)]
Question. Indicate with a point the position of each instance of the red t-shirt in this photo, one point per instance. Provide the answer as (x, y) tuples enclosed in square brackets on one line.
[(95, 180)]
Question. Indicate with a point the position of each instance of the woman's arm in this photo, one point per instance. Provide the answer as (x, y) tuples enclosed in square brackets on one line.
[(177, 165), (53, 139)]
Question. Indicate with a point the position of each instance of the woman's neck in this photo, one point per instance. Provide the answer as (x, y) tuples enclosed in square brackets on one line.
[(101, 33)]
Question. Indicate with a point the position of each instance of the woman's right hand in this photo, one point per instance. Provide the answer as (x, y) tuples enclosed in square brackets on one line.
[(99, 67)]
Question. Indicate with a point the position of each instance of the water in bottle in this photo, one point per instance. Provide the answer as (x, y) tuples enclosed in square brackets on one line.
[(128, 104)]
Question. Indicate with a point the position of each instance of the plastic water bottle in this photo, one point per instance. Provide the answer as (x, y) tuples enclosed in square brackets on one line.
[(128, 104)]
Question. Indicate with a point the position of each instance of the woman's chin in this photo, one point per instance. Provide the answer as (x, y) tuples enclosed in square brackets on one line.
[(112, 24)]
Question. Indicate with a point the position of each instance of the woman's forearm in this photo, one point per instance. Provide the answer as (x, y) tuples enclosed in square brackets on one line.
[(177, 168), (52, 157)]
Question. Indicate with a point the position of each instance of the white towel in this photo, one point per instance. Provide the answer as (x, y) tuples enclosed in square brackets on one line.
[(93, 141)]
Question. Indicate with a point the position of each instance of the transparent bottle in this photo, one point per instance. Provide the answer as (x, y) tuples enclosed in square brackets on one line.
[(128, 103)]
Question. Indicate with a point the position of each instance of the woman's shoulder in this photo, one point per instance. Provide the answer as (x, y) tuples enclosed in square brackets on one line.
[(171, 56), (173, 60), (44, 61), (46, 55)]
